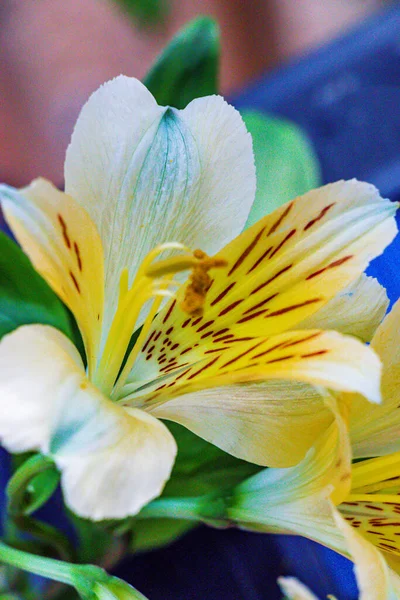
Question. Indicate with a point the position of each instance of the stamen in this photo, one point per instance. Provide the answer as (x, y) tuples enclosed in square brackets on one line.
[(200, 282)]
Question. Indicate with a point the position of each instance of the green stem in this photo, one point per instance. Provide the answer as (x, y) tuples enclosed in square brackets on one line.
[(189, 509), (46, 567), (208, 509)]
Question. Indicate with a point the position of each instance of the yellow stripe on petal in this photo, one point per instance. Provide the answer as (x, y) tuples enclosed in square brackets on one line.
[(64, 246)]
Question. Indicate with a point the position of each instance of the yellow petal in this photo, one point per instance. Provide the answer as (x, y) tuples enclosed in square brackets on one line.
[(223, 399), (63, 244), (374, 430), (280, 271), (357, 310), (296, 500), (374, 579), (378, 522), (112, 460)]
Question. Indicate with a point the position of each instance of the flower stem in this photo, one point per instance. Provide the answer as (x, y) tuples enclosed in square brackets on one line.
[(46, 567), (174, 508), (207, 509)]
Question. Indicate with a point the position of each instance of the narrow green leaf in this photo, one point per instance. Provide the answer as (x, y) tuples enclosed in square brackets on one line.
[(188, 66), (286, 163), (24, 296)]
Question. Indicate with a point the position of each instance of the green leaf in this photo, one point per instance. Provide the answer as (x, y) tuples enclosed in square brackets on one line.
[(286, 163), (188, 67), (24, 296)]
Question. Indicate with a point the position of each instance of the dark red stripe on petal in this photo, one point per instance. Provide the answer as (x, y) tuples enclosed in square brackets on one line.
[(76, 284), (287, 309), (171, 308), (317, 353), (319, 217), (230, 307), (283, 242), (280, 219), (223, 294), (246, 252), (332, 265)]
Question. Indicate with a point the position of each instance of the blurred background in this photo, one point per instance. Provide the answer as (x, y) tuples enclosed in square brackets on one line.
[(53, 54)]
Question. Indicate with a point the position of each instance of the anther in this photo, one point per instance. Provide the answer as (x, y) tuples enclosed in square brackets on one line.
[(199, 283)]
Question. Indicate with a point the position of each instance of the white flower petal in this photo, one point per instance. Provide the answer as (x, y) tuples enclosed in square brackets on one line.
[(149, 174), (112, 460), (357, 310)]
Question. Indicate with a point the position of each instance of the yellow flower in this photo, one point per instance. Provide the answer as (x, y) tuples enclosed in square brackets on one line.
[(366, 521), (228, 356)]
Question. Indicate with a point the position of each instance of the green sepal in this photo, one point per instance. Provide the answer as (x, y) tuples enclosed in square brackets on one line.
[(188, 67), (286, 164), (24, 296)]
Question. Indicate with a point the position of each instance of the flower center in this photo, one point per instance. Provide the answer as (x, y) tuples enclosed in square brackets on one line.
[(153, 282)]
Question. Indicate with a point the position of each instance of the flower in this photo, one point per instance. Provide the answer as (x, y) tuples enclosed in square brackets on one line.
[(365, 523), (224, 357)]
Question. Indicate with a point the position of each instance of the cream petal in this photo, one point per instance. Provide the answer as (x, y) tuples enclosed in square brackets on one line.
[(374, 430), (372, 572), (296, 500), (357, 310), (272, 423), (149, 174), (232, 401), (116, 480), (294, 589), (112, 460), (65, 248)]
